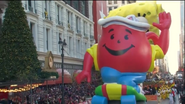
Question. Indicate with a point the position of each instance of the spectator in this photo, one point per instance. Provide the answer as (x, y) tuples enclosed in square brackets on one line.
[(173, 92), (171, 98), (153, 90), (52, 94)]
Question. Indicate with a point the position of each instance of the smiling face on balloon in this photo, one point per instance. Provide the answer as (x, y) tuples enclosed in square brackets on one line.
[(121, 47), (113, 37)]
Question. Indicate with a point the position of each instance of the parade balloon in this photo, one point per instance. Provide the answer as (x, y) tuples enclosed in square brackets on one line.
[(124, 55)]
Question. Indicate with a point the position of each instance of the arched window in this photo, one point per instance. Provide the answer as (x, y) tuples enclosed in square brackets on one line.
[(83, 7), (76, 5), (69, 2)]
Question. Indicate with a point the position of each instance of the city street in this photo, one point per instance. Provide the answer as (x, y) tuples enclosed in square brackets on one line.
[(91, 51)]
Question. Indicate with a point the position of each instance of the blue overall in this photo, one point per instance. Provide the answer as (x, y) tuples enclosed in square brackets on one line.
[(110, 75)]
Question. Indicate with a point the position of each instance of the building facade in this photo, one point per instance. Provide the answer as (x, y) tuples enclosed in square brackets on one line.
[(181, 36), (51, 21), (98, 7), (162, 64), (166, 64), (113, 4), (104, 7)]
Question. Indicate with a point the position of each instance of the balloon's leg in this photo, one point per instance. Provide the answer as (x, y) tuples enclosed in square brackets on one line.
[(99, 100), (128, 99)]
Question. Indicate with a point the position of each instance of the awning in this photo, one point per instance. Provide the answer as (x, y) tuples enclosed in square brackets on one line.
[(49, 82), (76, 72), (67, 77)]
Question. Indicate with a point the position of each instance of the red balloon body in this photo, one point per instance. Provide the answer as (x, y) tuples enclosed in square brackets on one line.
[(124, 49)]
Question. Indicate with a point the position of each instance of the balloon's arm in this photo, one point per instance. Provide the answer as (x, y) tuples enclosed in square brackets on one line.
[(93, 52), (162, 41), (88, 62)]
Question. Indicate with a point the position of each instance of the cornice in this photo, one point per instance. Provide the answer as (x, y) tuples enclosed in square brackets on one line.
[(59, 56)]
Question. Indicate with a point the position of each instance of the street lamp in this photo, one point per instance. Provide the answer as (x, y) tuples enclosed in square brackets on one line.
[(62, 43)]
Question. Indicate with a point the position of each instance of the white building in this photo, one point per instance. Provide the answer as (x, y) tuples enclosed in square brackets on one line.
[(163, 64), (62, 21), (113, 4), (182, 33), (166, 63)]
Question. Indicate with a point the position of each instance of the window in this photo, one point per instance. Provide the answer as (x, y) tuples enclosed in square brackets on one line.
[(60, 13), (110, 8), (79, 20), (78, 49), (85, 47), (70, 46), (77, 24), (83, 7), (46, 5), (68, 2), (47, 39), (68, 16), (85, 28), (109, 2), (58, 16), (31, 6), (59, 38), (115, 7), (69, 19), (90, 29), (76, 5), (32, 28), (79, 45), (47, 8), (123, 1), (29, 3), (115, 2), (78, 27)]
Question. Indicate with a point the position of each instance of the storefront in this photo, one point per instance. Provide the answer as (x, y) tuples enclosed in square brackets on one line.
[(69, 67), (52, 63)]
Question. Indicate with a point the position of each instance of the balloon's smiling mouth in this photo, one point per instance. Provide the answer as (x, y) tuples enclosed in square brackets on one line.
[(117, 52)]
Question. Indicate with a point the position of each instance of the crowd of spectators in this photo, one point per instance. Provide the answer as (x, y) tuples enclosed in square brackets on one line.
[(180, 89), (52, 94), (74, 93), (179, 85), (150, 90)]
